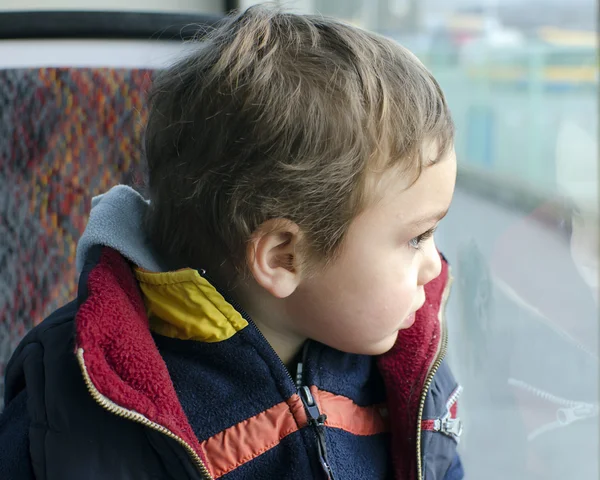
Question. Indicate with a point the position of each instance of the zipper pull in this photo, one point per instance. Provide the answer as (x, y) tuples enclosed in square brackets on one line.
[(451, 427), (317, 420), (315, 417)]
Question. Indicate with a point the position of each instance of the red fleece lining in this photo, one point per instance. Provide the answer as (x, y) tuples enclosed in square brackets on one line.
[(404, 370), (120, 355)]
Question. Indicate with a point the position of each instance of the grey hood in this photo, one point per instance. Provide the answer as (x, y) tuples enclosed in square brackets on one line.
[(117, 221)]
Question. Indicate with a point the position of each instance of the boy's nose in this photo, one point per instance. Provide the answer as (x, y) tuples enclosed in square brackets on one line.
[(431, 266)]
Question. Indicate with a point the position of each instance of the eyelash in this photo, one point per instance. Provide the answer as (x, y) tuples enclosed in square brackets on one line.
[(418, 241)]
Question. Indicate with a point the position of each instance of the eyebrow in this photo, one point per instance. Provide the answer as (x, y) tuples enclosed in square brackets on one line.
[(433, 218)]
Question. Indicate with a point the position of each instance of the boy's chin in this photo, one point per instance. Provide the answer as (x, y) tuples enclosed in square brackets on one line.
[(386, 345), (378, 348)]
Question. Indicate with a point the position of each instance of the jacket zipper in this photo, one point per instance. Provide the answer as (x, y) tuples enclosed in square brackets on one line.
[(315, 418), (436, 365), (451, 427), (115, 409), (447, 425)]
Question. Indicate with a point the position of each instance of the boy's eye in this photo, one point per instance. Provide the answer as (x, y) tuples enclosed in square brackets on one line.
[(418, 241)]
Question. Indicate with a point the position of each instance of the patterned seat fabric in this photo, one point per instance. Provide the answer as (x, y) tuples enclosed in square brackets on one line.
[(65, 136)]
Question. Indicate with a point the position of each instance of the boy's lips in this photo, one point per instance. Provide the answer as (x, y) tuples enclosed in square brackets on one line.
[(408, 321)]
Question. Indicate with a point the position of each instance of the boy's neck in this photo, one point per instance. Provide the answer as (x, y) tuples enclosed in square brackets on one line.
[(270, 320), (287, 347)]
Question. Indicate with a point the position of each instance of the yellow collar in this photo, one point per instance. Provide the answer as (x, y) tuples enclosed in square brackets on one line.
[(184, 305)]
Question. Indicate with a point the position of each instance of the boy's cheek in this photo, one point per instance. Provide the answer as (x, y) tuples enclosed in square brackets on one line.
[(359, 313)]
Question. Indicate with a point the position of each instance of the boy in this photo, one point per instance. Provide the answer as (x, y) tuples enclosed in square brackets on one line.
[(274, 310)]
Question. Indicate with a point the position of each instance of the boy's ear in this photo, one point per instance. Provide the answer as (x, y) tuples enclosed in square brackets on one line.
[(272, 257)]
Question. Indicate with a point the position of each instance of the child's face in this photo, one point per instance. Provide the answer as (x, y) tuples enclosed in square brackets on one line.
[(371, 291)]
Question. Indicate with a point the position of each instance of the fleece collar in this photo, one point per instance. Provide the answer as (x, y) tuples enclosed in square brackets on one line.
[(405, 368), (120, 358)]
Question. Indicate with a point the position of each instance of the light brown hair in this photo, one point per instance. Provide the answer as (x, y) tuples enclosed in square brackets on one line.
[(278, 115)]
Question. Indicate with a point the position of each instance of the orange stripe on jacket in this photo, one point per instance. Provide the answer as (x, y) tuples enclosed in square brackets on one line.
[(344, 414), (246, 440)]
